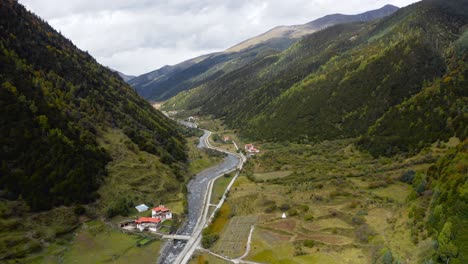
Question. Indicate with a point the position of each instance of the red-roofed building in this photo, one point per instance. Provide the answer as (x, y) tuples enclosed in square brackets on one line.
[(161, 212), (250, 148), (150, 223)]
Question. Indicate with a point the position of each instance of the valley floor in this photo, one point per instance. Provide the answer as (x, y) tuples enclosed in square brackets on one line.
[(341, 206)]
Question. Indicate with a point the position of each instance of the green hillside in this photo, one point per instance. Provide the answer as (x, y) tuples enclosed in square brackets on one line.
[(164, 83), (60, 114), (338, 82), (54, 98)]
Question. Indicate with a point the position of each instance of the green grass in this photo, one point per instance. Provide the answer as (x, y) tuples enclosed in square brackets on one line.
[(201, 159), (98, 243), (397, 192), (219, 187), (136, 174), (272, 175)]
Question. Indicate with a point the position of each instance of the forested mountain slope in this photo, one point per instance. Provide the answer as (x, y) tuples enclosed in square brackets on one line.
[(338, 82), (168, 81), (54, 101)]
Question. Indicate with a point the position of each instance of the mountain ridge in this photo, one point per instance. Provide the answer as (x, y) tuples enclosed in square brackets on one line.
[(338, 82), (297, 31), (166, 82)]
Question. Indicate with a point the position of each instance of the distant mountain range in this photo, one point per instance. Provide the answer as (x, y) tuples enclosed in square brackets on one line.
[(398, 83), (168, 81), (297, 31), (125, 77)]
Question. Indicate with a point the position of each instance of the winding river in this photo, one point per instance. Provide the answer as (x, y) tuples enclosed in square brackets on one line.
[(197, 187)]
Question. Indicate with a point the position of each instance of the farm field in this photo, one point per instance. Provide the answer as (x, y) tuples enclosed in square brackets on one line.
[(341, 206), (97, 243)]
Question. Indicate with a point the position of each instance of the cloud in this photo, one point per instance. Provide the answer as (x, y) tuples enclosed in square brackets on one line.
[(142, 35)]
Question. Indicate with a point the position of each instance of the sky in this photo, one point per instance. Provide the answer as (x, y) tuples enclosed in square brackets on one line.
[(139, 36)]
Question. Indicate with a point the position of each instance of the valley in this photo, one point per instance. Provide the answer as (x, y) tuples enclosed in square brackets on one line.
[(341, 140), (341, 206)]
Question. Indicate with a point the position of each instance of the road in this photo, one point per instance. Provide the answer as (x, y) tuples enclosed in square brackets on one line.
[(198, 203)]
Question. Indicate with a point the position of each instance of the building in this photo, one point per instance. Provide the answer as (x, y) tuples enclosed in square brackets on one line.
[(161, 212), (150, 223), (226, 138), (141, 208), (250, 148)]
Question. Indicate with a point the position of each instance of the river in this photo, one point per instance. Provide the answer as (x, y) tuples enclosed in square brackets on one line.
[(197, 187)]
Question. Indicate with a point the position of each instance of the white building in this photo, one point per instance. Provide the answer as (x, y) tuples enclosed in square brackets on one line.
[(150, 223), (161, 212)]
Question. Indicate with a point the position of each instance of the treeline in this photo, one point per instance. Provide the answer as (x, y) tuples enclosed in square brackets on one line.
[(338, 82), (441, 208), (55, 99), (436, 113)]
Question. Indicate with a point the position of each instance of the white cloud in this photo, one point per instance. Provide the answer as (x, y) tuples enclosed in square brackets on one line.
[(142, 35)]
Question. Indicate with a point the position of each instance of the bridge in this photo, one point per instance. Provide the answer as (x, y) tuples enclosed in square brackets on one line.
[(176, 237)]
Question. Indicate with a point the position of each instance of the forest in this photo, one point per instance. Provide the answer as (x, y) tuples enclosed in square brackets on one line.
[(55, 101)]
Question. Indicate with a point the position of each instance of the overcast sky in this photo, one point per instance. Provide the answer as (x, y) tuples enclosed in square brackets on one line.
[(139, 36)]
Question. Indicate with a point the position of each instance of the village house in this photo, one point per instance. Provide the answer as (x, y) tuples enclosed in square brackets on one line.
[(250, 148), (226, 138), (150, 223), (158, 216), (161, 212)]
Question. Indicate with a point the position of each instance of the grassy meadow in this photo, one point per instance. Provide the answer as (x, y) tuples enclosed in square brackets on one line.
[(342, 206)]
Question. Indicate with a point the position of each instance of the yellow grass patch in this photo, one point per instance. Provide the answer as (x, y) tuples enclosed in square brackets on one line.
[(220, 221)]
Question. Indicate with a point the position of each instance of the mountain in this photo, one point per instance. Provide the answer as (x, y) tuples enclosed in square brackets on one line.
[(298, 31), (352, 80), (168, 81), (125, 77), (57, 103)]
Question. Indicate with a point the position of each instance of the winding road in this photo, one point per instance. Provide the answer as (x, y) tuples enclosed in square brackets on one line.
[(200, 188)]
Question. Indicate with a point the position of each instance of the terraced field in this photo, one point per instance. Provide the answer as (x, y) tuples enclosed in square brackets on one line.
[(342, 206)]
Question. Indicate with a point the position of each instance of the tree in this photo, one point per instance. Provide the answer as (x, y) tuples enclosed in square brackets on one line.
[(387, 257), (447, 250)]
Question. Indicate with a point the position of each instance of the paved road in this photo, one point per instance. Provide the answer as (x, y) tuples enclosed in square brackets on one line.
[(198, 188)]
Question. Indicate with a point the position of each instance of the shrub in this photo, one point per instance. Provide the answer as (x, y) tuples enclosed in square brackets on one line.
[(271, 208), (309, 243), (121, 206), (209, 239), (358, 220), (292, 212), (308, 217), (363, 233), (284, 207), (79, 210)]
